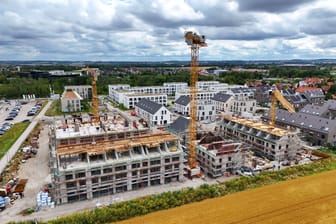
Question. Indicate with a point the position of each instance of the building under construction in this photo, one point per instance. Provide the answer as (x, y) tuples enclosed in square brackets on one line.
[(275, 143), (89, 160)]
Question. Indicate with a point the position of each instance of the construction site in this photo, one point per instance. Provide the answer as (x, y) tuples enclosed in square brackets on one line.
[(89, 161)]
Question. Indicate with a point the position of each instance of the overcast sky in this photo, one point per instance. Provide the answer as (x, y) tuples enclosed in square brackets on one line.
[(152, 30)]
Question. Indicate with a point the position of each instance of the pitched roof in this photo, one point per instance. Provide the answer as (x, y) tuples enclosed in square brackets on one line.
[(319, 110), (306, 121), (149, 106), (180, 125), (312, 93), (221, 97), (71, 94), (183, 100), (305, 88)]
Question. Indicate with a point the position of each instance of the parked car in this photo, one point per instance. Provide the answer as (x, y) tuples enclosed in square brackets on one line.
[(31, 113), (245, 171), (9, 118), (8, 124)]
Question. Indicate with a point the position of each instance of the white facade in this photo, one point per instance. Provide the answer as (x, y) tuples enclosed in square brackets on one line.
[(160, 117), (206, 109), (240, 104), (132, 99), (70, 101), (85, 91), (168, 88), (223, 106), (205, 85), (201, 95)]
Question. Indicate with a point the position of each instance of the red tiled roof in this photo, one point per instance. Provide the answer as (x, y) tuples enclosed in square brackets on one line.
[(325, 88), (300, 89)]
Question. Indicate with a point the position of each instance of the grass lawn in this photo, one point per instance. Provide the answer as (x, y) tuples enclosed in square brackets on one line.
[(8, 139)]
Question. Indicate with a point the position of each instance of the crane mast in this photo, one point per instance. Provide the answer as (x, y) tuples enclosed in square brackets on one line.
[(195, 42), (94, 77), (277, 96)]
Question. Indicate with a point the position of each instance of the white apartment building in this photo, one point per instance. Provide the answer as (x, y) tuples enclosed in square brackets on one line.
[(222, 102), (205, 85), (153, 113), (201, 95), (85, 91), (168, 88), (205, 108), (70, 101), (130, 100), (242, 103)]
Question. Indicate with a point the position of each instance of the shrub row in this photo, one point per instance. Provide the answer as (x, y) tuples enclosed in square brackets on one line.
[(141, 206)]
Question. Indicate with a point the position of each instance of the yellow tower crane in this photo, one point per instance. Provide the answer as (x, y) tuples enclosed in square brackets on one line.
[(94, 77), (277, 96), (195, 41)]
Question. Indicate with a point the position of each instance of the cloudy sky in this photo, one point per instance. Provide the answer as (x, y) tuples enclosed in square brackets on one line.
[(152, 30)]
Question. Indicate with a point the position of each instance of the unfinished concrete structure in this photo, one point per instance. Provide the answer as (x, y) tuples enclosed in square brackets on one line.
[(220, 158), (275, 143), (88, 160)]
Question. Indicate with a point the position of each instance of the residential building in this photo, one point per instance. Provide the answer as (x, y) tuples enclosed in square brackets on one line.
[(130, 100), (70, 101), (201, 94), (222, 101), (275, 143), (220, 158), (85, 91), (89, 161), (316, 129), (314, 96), (262, 95), (205, 85), (153, 113), (294, 98), (325, 110), (205, 108)]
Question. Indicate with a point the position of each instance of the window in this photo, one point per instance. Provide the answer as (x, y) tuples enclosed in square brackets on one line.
[(106, 178), (80, 175), (95, 180), (155, 162), (82, 182), (119, 168), (175, 159), (107, 170), (71, 184), (95, 172), (121, 175), (135, 165), (68, 177)]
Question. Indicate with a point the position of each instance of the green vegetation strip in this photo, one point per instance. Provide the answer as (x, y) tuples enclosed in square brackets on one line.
[(10, 136), (141, 206)]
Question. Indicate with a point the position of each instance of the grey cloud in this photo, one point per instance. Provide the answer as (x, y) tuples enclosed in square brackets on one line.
[(319, 22), (271, 5)]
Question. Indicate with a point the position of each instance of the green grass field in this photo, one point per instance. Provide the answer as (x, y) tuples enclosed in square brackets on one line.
[(8, 139)]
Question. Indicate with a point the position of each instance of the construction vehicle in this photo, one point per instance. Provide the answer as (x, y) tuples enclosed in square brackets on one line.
[(195, 41), (94, 77), (277, 96)]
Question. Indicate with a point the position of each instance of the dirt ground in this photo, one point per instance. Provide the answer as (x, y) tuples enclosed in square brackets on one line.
[(37, 172), (306, 200)]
